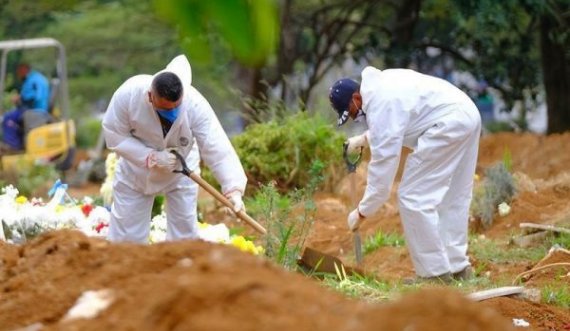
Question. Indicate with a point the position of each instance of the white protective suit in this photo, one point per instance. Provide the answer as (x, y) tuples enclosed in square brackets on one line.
[(132, 129), (442, 126)]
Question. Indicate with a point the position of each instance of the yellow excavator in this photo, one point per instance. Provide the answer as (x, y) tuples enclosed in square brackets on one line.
[(54, 140)]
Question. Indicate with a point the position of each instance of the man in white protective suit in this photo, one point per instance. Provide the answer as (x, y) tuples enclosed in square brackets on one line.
[(442, 126), (147, 117)]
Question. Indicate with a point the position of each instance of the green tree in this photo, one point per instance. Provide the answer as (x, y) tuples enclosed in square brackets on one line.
[(519, 44)]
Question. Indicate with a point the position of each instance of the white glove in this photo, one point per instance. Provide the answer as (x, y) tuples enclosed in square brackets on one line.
[(356, 142), (235, 198), (163, 160), (354, 220)]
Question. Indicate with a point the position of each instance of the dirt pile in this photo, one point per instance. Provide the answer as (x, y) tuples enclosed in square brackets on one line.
[(539, 316), (199, 286), (553, 269), (535, 155)]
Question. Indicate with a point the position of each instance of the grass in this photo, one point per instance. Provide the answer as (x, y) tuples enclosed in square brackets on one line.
[(486, 250), (371, 289), (557, 295), (360, 287), (562, 240), (381, 239)]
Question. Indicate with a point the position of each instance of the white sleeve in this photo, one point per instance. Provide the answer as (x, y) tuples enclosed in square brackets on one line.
[(387, 124), (215, 147), (118, 132)]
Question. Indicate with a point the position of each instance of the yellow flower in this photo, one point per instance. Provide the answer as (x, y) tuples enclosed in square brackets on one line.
[(59, 209), (476, 177), (21, 200), (246, 245), (202, 225)]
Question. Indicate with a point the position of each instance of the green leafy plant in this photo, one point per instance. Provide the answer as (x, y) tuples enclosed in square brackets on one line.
[(381, 239), (498, 186), (288, 217), (280, 151)]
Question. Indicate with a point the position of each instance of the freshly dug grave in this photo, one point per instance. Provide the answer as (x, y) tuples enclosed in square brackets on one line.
[(193, 285)]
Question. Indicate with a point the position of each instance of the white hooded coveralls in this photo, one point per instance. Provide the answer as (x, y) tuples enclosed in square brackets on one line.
[(442, 126), (132, 129)]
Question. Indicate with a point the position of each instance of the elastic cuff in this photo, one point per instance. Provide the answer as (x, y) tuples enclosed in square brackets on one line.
[(228, 193)]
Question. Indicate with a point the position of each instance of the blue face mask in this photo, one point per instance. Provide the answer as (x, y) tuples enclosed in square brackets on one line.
[(169, 115)]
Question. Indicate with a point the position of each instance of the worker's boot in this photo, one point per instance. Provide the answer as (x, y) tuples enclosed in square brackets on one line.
[(444, 279), (465, 274)]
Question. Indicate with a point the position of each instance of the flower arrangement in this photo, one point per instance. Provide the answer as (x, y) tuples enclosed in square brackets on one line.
[(218, 233), (107, 186), (22, 218)]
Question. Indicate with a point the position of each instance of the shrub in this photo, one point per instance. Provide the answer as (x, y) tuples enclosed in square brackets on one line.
[(32, 180), (288, 218), (498, 186), (281, 151), (88, 132)]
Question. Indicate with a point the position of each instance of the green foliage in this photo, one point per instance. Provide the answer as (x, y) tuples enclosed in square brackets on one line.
[(381, 239), (499, 126), (508, 160), (88, 133), (288, 218), (498, 186), (562, 240), (281, 151), (361, 287), (557, 295), (250, 28), (31, 180), (157, 205), (485, 250)]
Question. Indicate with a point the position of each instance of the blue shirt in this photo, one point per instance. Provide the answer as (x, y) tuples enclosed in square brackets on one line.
[(35, 91)]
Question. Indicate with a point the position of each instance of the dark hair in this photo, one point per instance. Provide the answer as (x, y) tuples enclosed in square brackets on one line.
[(168, 86)]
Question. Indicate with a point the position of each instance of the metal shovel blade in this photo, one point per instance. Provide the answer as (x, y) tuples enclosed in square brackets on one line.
[(357, 247)]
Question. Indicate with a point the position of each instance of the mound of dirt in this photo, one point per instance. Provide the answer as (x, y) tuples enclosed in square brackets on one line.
[(554, 268), (193, 285), (540, 317), (538, 156)]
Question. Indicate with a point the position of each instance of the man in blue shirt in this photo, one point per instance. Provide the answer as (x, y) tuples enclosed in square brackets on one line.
[(33, 96)]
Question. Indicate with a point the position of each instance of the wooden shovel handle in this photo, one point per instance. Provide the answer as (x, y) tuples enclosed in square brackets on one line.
[(221, 198)]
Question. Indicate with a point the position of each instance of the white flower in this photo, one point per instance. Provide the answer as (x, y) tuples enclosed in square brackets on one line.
[(10, 191), (107, 186), (504, 209), (218, 233)]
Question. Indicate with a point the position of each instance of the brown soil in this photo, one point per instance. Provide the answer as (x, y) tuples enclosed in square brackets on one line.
[(194, 285), (535, 155), (539, 316), (543, 175), (549, 274)]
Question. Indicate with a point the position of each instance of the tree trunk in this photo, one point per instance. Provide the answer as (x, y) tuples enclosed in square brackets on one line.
[(407, 16), (556, 72)]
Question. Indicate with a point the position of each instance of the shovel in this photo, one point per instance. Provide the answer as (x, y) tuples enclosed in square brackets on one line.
[(217, 195), (351, 166)]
